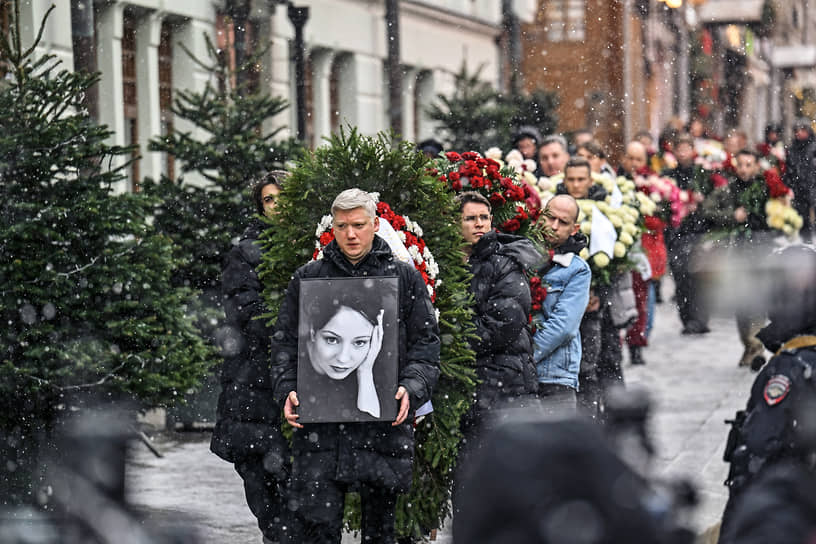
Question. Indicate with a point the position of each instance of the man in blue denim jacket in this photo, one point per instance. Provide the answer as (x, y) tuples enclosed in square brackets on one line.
[(557, 341)]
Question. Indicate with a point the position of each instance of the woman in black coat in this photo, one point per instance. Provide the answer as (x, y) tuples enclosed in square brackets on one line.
[(247, 430)]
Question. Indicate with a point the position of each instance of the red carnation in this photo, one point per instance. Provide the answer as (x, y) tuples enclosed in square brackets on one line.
[(535, 281), (719, 180), (511, 225), (470, 155), (456, 185), (477, 182), (453, 156), (480, 162), (398, 222), (535, 307), (454, 176), (497, 199), (443, 179), (326, 238)]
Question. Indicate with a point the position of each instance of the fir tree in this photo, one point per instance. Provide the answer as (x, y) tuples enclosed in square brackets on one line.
[(471, 117), (203, 220), (476, 116), (85, 282)]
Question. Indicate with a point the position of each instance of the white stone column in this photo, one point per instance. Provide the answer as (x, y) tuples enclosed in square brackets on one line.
[(148, 36), (425, 96), (361, 102), (189, 76), (56, 38), (109, 31), (276, 78), (409, 123), (322, 60)]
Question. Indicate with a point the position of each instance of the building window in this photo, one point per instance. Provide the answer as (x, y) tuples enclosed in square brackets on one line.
[(131, 102), (564, 20), (334, 95), (166, 91), (225, 44)]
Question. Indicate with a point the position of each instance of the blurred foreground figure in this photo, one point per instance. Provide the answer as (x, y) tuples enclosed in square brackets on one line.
[(777, 426), (560, 482), (85, 499)]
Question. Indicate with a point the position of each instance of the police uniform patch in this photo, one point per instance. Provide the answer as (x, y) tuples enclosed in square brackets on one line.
[(776, 389)]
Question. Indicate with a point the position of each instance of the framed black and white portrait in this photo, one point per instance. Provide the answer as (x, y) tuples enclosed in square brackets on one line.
[(348, 349)]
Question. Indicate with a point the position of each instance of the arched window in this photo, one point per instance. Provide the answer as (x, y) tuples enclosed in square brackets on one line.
[(225, 43)]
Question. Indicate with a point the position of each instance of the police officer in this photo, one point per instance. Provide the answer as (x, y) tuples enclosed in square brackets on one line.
[(775, 427)]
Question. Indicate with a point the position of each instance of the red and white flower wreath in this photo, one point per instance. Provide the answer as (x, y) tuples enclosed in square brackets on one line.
[(403, 236)]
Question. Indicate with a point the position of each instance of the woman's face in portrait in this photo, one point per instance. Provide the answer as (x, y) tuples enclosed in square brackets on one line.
[(341, 346)]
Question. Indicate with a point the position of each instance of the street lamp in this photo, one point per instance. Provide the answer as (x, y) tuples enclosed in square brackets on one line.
[(673, 3), (298, 17)]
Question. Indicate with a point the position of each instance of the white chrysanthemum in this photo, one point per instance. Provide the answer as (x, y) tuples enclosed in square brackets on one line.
[(529, 165), (401, 236), (319, 255), (433, 268), (493, 153), (514, 156), (430, 290), (414, 252)]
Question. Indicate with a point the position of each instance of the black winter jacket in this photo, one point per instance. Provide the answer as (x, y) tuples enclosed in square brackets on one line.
[(248, 420), (373, 452), (799, 174), (596, 191), (504, 352)]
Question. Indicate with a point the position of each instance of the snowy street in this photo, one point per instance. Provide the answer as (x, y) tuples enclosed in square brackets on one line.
[(694, 382)]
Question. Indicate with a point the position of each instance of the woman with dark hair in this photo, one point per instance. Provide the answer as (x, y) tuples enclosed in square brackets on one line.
[(345, 337), (247, 430)]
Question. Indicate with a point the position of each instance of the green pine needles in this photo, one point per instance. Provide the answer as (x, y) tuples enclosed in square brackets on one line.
[(87, 304), (398, 173)]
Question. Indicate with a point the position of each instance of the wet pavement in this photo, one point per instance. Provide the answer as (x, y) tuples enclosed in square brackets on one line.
[(694, 382)]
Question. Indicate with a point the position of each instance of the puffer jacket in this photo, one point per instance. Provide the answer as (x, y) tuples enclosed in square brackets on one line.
[(248, 420), (372, 452), (504, 353)]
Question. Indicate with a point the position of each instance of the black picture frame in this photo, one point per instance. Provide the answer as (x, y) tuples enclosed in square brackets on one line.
[(337, 323)]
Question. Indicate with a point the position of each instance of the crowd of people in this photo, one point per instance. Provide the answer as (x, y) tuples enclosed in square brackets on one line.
[(559, 359)]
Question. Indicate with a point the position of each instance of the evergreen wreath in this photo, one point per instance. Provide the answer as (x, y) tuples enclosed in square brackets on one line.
[(399, 174)]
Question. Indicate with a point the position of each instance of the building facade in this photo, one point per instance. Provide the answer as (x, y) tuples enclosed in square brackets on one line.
[(141, 49), (613, 63)]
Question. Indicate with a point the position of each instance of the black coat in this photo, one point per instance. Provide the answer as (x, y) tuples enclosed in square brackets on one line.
[(248, 419), (799, 174), (375, 453), (504, 352)]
